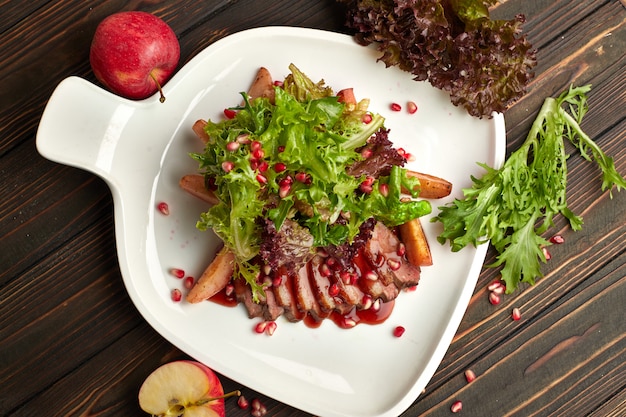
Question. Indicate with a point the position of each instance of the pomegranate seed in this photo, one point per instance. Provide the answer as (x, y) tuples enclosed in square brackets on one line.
[(376, 305), (411, 288), (229, 289), (301, 177), (470, 375), (267, 269), (263, 166), (516, 314), (499, 290), (369, 180), (256, 404), (325, 270), (348, 323), (278, 83), (371, 275), (232, 146), (260, 327), (367, 153), (331, 262), (178, 273), (395, 107), (366, 189), (546, 253), (401, 152), (279, 167), (228, 166), (398, 331), (557, 239), (271, 328), (401, 251), (277, 281), (456, 406), (383, 189), (242, 402), (163, 208), (176, 295), (244, 138), (281, 148), (393, 264), (262, 179), (258, 153), (345, 277), (367, 118), (366, 302), (494, 299), (283, 190), (411, 107), (229, 113), (333, 290), (285, 181), (255, 145), (495, 286), (188, 283), (409, 157)]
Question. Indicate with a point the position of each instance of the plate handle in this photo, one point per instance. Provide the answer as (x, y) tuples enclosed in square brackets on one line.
[(82, 125)]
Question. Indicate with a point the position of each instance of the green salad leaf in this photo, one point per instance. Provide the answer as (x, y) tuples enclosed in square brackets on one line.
[(288, 159), (513, 206)]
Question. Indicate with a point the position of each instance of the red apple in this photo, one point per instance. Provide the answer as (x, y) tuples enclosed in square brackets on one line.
[(183, 388), (134, 53)]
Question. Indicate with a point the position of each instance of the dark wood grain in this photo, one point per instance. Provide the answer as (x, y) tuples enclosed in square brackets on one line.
[(74, 345)]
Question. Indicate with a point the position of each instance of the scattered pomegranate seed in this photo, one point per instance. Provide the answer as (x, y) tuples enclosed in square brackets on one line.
[(228, 166), (401, 152), (263, 166), (546, 253), (262, 179), (348, 323), (325, 270), (366, 189), (285, 181), (398, 331), (255, 145), (496, 286), (277, 281), (411, 107), (367, 118), (188, 283), (376, 305), (557, 239), (516, 314), (494, 299), (178, 273), (409, 157), (260, 327), (278, 83), (470, 375), (279, 167), (176, 295), (456, 406), (281, 148), (163, 208), (271, 328), (411, 288), (258, 409), (229, 113), (333, 290), (395, 107), (232, 146), (242, 402)]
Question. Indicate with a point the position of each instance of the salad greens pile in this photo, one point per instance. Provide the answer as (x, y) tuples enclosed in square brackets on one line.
[(288, 160), (512, 206), (483, 64)]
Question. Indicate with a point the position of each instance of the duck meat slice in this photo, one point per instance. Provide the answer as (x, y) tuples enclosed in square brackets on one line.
[(305, 298), (243, 293), (321, 283), (283, 293)]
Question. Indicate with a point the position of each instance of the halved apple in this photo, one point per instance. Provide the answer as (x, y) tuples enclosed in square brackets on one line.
[(183, 388)]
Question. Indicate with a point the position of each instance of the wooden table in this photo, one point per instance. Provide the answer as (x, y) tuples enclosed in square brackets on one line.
[(72, 343)]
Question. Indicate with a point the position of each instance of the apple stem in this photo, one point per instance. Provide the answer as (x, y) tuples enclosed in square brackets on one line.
[(230, 394), (162, 98)]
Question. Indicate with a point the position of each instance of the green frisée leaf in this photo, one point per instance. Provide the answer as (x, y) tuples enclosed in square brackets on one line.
[(514, 205), (314, 138)]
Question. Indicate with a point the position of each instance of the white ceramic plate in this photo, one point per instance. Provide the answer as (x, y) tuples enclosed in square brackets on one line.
[(141, 149)]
